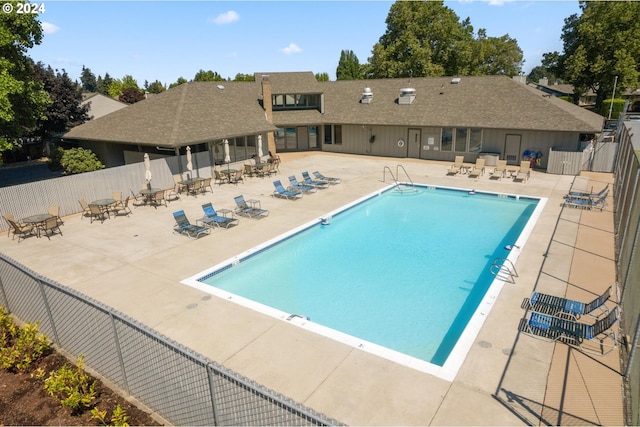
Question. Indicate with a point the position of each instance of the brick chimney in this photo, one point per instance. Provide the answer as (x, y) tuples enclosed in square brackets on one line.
[(267, 104)]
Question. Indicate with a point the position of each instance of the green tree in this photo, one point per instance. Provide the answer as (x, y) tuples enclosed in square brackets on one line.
[(207, 76), (22, 99), (79, 160), (102, 84), (156, 87), (423, 38), (495, 55), (601, 44), (244, 78), (348, 66), (181, 80), (322, 77), (88, 80)]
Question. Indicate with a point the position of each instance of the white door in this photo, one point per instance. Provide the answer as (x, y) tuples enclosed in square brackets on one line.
[(413, 143), (512, 147)]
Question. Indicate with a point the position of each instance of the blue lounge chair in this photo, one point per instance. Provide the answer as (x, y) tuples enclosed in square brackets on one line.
[(314, 183), (184, 227), (587, 203), (330, 180), (575, 333), (242, 208), (212, 218), (295, 185), (551, 304), (283, 193)]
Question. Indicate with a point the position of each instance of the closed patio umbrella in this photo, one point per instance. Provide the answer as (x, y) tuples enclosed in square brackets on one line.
[(189, 163), (260, 152), (227, 158), (147, 169)]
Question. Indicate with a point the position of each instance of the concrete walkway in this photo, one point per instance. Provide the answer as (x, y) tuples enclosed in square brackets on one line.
[(135, 264)]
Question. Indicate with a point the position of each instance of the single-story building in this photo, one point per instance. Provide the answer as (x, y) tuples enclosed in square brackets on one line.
[(428, 118)]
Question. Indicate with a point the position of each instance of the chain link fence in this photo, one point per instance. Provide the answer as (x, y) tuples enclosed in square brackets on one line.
[(179, 385)]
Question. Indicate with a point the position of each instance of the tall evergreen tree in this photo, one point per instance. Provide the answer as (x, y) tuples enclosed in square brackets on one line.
[(181, 80), (103, 83), (322, 77), (348, 67), (156, 87), (88, 80), (207, 76)]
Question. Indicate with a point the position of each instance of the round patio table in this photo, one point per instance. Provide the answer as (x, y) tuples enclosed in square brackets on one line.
[(37, 220)]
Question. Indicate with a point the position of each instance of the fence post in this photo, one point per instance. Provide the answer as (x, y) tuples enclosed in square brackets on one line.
[(46, 305), (212, 393), (116, 341)]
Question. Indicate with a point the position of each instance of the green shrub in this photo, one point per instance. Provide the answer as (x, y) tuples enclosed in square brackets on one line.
[(79, 160), (72, 386), (55, 159), (23, 348), (118, 418), (618, 106), (8, 328)]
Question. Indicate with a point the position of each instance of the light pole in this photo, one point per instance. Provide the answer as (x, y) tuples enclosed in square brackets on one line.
[(615, 82)]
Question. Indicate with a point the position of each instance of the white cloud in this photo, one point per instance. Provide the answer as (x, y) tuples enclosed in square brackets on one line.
[(49, 28), (225, 18), (292, 48)]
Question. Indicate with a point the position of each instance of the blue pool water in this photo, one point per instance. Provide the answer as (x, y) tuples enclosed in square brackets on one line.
[(403, 270)]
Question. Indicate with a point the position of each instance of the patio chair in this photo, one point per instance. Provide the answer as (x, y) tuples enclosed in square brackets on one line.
[(206, 183), (500, 170), (283, 193), (249, 169), (184, 227), (138, 199), (295, 185), (314, 183), (50, 225), (551, 304), (55, 211), (172, 194), (583, 335), (96, 211), (85, 208), (122, 207), (524, 172), (19, 229), (212, 218), (158, 199), (477, 169), (236, 177), (587, 203), (456, 167), (330, 180), (220, 178), (242, 208)]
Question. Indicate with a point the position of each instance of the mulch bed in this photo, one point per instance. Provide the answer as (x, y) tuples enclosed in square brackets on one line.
[(24, 401)]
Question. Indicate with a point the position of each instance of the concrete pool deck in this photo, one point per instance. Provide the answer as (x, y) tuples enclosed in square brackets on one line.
[(135, 264)]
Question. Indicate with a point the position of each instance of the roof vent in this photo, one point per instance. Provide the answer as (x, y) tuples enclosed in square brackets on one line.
[(455, 80), (221, 87), (407, 95), (367, 96)]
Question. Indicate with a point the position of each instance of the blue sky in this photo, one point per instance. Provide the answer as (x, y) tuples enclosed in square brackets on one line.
[(165, 40)]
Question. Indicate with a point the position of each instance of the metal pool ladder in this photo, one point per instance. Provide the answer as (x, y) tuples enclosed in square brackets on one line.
[(504, 270), (396, 176)]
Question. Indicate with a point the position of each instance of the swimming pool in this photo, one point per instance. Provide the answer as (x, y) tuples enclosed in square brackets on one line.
[(405, 275)]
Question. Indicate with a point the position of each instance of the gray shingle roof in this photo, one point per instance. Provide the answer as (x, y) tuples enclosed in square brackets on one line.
[(198, 111), (188, 114)]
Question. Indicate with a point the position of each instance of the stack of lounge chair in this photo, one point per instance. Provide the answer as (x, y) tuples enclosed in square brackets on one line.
[(584, 200), (557, 319)]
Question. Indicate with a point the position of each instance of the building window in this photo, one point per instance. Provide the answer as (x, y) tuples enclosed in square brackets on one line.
[(291, 101), (313, 136), (460, 143), (327, 134), (337, 130), (475, 140), (447, 139), (290, 139), (279, 137)]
